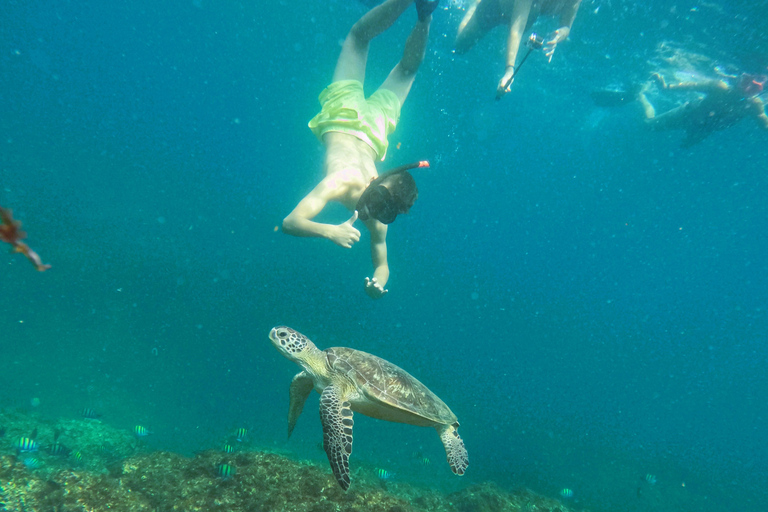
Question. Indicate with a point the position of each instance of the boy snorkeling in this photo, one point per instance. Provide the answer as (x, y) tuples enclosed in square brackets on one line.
[(354, 130)]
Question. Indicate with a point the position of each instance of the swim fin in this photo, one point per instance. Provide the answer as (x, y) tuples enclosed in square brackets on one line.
[(613, 97)]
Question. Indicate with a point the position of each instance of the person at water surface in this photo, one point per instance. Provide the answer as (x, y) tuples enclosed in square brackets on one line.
[(354, 131), (519, 16), (721, 105)]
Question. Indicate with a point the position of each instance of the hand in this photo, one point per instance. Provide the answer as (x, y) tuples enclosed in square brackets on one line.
[(555, 37), (345, 233), (506, 82), (659, 80), (374, 289)]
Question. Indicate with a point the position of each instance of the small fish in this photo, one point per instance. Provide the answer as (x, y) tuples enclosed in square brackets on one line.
[(566, 493), (225, 471), (424, 461), (228, 448), (90, 414), (141, 431), (240, 434), (651, 479), (25, 444), (32, 463), (78, 456), (383, 474), (58, 449)]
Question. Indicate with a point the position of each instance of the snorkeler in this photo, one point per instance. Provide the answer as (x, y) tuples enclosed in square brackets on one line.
[(721, 106), (519, 16), (354, 130)]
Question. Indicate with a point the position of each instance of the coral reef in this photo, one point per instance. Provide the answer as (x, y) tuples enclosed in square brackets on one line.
[(124, 478)]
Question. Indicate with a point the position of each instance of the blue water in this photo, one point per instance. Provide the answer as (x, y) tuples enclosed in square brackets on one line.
[(587, 297)]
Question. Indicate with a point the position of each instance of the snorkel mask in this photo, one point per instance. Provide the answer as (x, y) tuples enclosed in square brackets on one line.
[(392, 193)]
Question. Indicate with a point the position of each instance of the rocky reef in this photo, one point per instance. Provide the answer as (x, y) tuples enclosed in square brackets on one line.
[(114, 472)]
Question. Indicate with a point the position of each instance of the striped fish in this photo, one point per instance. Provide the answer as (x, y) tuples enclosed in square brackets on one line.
[(141, 431), (25, 444), (225, 471)]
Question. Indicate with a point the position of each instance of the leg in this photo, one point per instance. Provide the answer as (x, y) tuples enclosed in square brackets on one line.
[(301, 386), (336, 417), (454, 448), (480, 18), (650, 112), (679, 118), (401, 78), (354, 52)]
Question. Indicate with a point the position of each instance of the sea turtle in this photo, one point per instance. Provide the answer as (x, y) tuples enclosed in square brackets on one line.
[(349, 380)]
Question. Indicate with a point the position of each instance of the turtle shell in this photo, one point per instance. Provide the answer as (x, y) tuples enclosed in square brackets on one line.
[(381, 381)]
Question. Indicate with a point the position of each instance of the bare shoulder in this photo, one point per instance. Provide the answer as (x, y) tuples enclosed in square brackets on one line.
[(377, 229)]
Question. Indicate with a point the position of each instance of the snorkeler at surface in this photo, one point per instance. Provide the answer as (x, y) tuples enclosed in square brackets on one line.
[(354, 130), (721, 106), (519, 16)]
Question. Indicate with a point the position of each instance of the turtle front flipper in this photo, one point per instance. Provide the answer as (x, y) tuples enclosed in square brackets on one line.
[(458, 458), (336, 416), (301, 387)]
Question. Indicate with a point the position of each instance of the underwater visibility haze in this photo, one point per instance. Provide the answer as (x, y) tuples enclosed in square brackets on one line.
[(589, 298)]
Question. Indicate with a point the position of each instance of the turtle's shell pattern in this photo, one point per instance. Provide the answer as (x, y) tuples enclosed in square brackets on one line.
[(382, 381)]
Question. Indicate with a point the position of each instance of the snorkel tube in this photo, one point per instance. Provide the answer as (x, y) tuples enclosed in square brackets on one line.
[(406, 167)]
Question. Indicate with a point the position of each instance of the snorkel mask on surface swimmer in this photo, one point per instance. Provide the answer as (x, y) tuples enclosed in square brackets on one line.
[(392, 193)]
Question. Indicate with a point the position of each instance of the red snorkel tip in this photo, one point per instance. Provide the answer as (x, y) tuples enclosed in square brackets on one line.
[(423, 163)]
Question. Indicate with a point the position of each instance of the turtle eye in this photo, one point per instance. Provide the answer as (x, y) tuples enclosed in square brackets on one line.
[(282, 334)]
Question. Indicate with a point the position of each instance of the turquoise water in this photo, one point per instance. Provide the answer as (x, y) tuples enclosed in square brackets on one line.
[(587, 297)]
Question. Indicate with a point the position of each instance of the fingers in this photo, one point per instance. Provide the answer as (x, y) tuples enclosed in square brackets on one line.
[(374, 289)]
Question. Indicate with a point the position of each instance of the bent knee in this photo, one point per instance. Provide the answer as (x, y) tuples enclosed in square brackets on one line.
[(288, 225)]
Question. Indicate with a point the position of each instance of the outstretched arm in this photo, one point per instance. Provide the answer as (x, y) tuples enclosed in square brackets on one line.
[(299, 222), (706, 86), (375, 287), (566, 22), (519, 19)]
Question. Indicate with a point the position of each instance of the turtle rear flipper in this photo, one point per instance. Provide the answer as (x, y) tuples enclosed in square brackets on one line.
[(457, 455), (301, 387), (336, 417)]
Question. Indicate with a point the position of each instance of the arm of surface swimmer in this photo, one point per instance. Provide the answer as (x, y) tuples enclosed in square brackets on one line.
[(569, 14), (706, 86), (518, 21), (520, 11)]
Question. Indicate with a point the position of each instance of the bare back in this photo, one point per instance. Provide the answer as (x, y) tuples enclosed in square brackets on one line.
[(349, 166)]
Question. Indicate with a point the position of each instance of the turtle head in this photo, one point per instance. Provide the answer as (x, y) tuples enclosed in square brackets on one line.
[(292, 344)]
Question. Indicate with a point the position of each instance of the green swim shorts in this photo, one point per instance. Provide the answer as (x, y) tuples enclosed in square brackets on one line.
[(345, 109)]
